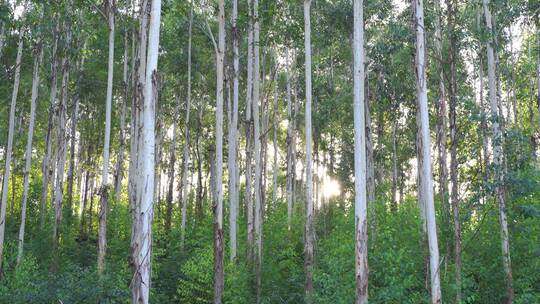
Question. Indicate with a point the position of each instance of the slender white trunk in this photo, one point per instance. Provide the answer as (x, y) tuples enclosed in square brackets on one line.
[(172, 162), (46, 165), (498, 154), (35, 87), (185, 156), (104, 202), (141, 243), (119, 169), (9, 148), (74, 119), (441, 113), (275, 144), (360, 201), (233, 138), (249, 137), (257, 145), (425, 174), (61, 146), (290, 146), (218, 181), (309, 229)]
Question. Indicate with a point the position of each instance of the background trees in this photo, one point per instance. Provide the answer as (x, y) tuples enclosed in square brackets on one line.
[(479, 104)]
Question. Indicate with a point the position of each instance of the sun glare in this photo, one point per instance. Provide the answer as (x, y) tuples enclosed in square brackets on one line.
[(331, 188)]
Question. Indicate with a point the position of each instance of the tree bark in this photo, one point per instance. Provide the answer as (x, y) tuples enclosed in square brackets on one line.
[(290, 143), (360, 169), (498, 155), (38, 57), (172, 162), (185, 170), (218, 199), (61, 144), (74, 120), (258, 159), (424, 171), (275, 143), (141, 243), (451, 7), (395, 180), (46, 165), (119, 169), (104, 202), (249, 139), (9, 146), (233, 137), (309, 229), (441, 117)]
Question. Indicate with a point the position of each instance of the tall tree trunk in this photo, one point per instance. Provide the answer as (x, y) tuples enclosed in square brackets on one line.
[(61, 143), (249, 138), (275, 143), (219, 243), (441, 118), (257, 145), (360, 187), (233, 137), (9, 148), (532, 99), (141, 243), (290, 144), (200, 187), (424, 172), (46, 165), (483, 122), (104, 202), (395, 180), (309, 229), (38, 57), (498, 155), (172, 162), (73, 132), (451, 7), (370, 163), (119, 169), (185, 170)]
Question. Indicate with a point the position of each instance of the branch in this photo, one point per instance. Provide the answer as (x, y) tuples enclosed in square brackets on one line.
[(211, 35)]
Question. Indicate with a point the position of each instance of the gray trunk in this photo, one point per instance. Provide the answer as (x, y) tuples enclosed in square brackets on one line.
[(38, 57), (498, 155), (9, 146)]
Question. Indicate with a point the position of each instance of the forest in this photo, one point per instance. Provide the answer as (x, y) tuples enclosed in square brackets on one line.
[(270, 151)]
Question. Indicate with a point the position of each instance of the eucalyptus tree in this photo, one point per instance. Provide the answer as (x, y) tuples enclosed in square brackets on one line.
[(498, 157), (104, 191), (290, 142), (360, 201), (141, 239), (38, 58), (309, 227), (233, 136), (9, 145), (257, 138), (249, 129), (425, 175), (119, 169), (185, 156), (47, 158), (219, 241), (61, 136), (453, 91)]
